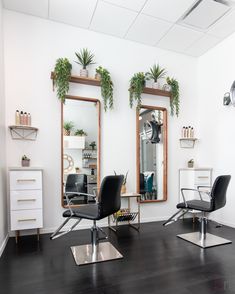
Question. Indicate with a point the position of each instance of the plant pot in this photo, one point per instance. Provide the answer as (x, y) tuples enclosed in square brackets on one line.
[(156, 85), (97, 76), (84, 72), (190, 164), (167, 87), (77, 169), (123, 190), (66, 133), (25, 162)]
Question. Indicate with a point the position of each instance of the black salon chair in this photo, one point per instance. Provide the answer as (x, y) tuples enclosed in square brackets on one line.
[(217, 200), (109, 202)]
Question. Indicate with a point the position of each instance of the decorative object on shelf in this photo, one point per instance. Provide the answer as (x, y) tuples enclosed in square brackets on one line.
[(174, 101), (187, 132), (61, 77), (68, 127), (68, 163), (123, 190), (106, 87), (85, 58), (156, 73), (191, 163), (23, 132), (80, 132), (93, 145), (137, 84), (25, 161), (22, 118), (77, 169)]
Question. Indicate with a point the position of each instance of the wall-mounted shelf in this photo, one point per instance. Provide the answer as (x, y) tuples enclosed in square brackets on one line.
[(80, 80), (21, 132), (157, 92), (187, 142)]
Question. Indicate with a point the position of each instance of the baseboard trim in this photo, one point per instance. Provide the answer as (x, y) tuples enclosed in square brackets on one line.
[(4, 244), (231, 225)]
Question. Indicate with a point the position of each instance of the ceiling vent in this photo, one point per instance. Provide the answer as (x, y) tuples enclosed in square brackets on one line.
[(205, 13)]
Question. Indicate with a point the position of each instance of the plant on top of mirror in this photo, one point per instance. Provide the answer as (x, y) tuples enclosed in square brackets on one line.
[(68, 126), (156, 73), (62, 74), (106, 87), (80, 132), (137, 84), (85, 58), (174, 99), (93, 145)]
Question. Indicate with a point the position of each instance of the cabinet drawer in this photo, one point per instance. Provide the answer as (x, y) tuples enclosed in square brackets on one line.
[(25, 180), (202, 177), (26, 219), (26, 199)]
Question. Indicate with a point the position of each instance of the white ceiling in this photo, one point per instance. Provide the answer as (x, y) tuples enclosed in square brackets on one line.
[(158, 23)]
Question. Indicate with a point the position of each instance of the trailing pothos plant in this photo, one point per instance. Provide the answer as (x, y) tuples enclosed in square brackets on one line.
[(175, 99), (137, 84), (106, 87), (62, 74)]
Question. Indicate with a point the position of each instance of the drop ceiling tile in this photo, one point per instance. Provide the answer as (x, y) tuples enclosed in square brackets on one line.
[(74, 12), (202, 45), (170, 10), (33, 7), (224, 27), (148, 30), (179, 38), (112, 19), (135, 5)]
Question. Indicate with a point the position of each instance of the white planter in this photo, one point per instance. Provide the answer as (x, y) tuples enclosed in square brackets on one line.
[(156, 85), (84, 72)]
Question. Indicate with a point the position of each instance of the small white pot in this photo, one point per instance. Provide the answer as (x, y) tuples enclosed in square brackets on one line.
[(84, 72), (97, 76), (156, 85)]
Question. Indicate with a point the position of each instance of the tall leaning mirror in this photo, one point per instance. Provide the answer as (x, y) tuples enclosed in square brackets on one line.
[(151, 152), (80, 152)]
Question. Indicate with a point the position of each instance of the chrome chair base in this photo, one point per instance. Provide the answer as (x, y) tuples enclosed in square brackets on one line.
[(204, 242), (87, 254)]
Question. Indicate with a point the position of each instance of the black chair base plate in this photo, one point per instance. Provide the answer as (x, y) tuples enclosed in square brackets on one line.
[(209, 241), (85, 254)]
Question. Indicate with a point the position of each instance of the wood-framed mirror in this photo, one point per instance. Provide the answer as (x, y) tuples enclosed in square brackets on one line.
[(80, 148), (151, 153)]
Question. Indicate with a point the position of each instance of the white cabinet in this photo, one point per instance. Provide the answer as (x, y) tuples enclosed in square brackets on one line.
[(192, 178), (26, 210)]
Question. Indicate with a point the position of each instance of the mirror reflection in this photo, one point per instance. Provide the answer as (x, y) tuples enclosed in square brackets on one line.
[(152, 138), (80, 150)]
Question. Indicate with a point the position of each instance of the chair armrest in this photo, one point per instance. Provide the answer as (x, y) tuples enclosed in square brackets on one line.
[(188, 189), (76, 195)]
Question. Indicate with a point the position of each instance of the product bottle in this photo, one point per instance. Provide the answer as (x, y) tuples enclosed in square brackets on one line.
[(192, 133), (182, 132), (25, 119), (29, 119), (21, 118), (17, 117), (186, 132), (189, 132)]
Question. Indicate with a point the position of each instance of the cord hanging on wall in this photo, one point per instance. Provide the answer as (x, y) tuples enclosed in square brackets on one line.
[(229, 97)]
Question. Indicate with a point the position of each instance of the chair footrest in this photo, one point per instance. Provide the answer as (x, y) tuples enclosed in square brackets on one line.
[(209, 241)]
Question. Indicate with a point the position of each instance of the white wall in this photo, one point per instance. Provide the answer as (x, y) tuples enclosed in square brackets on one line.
[(216, 72), (3, 215), (32, 46)]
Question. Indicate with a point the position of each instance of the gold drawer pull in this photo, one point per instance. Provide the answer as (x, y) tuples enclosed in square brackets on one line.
[(203, 177), (26, 180), (26, 219), (22, 200)]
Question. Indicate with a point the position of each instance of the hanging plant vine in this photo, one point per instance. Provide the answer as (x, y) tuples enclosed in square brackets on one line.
[(106, 87), (174, 100), (62, 74), (137, 84)]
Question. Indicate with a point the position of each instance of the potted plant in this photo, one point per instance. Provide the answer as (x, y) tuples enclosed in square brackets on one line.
[(68, 126), (137, 84), (93, 145), (191, 163), (62, 74), (77, 169), (106, 87), (174, 100), (85, 58), (80, 132), (25, 161), (156, 73)]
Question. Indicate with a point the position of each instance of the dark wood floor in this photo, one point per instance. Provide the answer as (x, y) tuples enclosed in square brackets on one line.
[(155, 261)]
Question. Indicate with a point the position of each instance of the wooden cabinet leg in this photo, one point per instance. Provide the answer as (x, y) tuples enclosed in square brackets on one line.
[(38, 234), (17, 234)]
